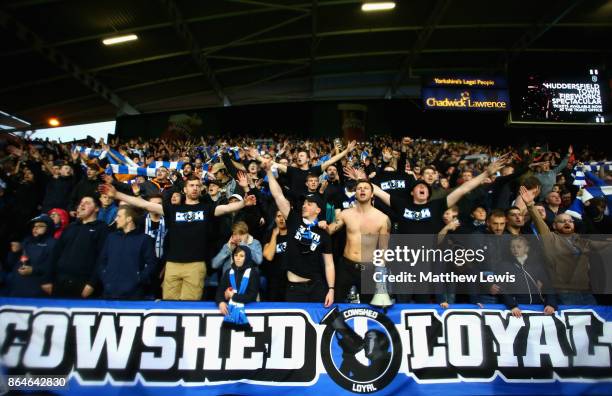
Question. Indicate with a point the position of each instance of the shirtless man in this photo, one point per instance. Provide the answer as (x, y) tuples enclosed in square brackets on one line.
[(367, 229)]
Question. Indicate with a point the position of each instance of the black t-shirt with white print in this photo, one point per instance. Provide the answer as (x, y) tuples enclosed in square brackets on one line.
[(305, 247), (419, 219), (188, 231)]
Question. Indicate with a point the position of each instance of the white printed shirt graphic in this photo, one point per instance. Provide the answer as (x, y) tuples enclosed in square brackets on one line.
[(393, 184), (281, 247), (188, 217), (316, 238), (417, 215)]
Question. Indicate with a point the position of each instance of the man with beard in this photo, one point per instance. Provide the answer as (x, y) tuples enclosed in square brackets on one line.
[(567, 255), (188, 235), (331, 185), (367, 228)]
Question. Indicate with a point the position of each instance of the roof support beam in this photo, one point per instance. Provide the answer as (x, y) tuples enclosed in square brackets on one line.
[(434, 19), (236, 42), (183, 30), (538, 30), (60, 60), (260, 62), (271, 5), (314, 44)]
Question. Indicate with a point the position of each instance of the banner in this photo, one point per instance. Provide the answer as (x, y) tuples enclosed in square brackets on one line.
[(134, 347), (466, 99), (353, 121), (465, 93)]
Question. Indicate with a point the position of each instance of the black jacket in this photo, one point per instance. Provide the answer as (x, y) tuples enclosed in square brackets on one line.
[(77, 251), (57, 194), (83, 188), (525, 288)]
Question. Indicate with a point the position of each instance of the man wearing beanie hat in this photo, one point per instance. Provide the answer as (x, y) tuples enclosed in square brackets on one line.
[(31, 259)]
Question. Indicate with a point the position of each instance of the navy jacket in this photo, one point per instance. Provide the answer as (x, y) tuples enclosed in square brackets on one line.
[(127, 264), (252, 290), (39, 252), (77, 251)]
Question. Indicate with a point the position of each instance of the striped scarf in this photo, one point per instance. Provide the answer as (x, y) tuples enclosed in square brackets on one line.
[(91, 153), (158, 235)]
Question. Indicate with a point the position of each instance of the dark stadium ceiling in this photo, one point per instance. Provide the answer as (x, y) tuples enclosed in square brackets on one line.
[(207, 53)]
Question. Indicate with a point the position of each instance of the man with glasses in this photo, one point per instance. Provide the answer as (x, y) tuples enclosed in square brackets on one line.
[(567, 255)]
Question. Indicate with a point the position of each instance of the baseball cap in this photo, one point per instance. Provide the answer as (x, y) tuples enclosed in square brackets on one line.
[(237, 196), (217, 167), (314, 198)]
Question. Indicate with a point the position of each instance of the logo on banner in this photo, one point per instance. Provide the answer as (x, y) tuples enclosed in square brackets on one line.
[(360, 349)]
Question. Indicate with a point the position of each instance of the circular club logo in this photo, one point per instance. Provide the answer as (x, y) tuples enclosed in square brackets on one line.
[(361, 349)]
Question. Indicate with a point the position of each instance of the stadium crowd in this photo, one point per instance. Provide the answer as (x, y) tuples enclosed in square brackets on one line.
[(240, 219)]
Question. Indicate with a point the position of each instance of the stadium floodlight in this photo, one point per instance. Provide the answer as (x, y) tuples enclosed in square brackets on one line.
[(377, 6), (54, 122), (119, 39)]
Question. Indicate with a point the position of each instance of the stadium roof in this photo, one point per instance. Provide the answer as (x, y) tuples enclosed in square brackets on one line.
[(195, 53)]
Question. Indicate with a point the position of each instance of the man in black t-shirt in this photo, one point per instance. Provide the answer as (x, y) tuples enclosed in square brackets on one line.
[(188, 232), (309, 252), (419, 215)]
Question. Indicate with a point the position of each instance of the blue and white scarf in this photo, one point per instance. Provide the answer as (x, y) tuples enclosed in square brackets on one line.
[(158, 235), (236, 313), (578, 173), (172, 165), (91, 153)]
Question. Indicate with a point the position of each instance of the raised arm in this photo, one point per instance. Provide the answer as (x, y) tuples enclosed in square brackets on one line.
[(564, 161), (255, 154), (528, 198), (277, 192), (138, 202), (459, 192), (350, 147), (221, 210)]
